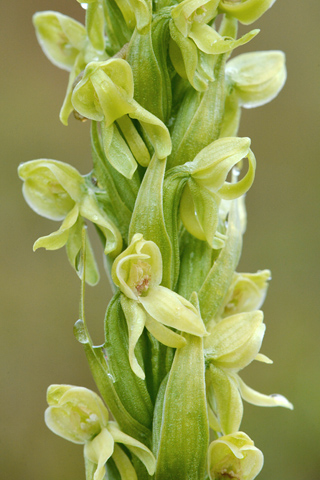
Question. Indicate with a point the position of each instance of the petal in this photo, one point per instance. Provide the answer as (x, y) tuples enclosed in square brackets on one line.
[(58, 239), (225, 399), (90, 209), (164, 335), (156, 130), (212, 164), (117, 151), (60, 37), (209, 41), (123, 464), (235, 341), (259, 399), (172, 310), (98, 451), (136, 319), (199, 211), (256, 77), (51, 187), (73, 247), (136, 447), (134, 140)]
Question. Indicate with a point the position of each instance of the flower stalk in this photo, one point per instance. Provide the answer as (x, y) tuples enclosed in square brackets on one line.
[(166, 194)]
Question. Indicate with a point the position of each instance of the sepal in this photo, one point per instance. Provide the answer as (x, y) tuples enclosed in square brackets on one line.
[(256, 78), (235, 341), (224, 400), (60, 37), (247, 292), (247, 11)]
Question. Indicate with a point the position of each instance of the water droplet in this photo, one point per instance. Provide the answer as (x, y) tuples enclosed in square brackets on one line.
[(111, 377), (84, 5)]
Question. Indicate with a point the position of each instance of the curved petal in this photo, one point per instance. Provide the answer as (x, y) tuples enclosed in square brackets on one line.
[(58, 239), (90, 210), (172, 310), (259, 399), (98, 451), (224, 399), (136, 447), (209, 41), (123, 464), (136, 319), (164, 334), (156, 130)]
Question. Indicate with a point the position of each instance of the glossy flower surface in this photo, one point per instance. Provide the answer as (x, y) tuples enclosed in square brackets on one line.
[(138, 273)]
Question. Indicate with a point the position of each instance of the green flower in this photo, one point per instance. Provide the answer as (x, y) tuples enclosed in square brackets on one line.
[(256, 77), (65, 43), (79, 415), (57, 191), (105, 94), (246, 293), (246, 11), (234, 343), (234, 456), (252, 79), (138, 273), (207, 186), (195, 43)]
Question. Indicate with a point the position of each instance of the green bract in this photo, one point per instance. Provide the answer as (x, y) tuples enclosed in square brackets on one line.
[(246, 11), (79, 415), (105, 94), (138, 273), (57, 191), (234, 456)]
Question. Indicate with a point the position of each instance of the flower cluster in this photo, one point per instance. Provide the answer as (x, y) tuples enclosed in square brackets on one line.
[(166, 196)]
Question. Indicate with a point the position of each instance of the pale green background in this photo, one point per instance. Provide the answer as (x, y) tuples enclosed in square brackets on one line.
[(40, 292)]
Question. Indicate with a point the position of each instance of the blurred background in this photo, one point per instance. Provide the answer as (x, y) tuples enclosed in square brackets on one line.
[(40, 292)]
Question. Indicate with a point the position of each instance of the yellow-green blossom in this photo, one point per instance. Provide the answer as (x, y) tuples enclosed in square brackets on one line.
[(234, 343), (105, 94), (138, 273), (57, 191), (79, 415), (246, 293), (65, 42), (234, 456), (195, 43), (207, 186)]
